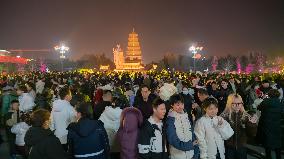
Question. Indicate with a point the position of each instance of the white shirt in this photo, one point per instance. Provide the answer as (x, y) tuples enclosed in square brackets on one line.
[(39, 86), (26, 102), (62, 115)]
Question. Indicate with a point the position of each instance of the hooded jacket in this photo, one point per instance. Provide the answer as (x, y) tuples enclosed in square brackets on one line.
[(88, 139), (43, 144)]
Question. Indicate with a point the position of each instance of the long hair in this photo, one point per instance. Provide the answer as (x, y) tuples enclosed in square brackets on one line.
[(228, 110)]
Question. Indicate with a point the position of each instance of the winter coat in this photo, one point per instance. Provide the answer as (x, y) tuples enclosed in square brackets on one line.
[(39, 86), (20, 130), (43, 144), (269, 128), (152, 141), (88, 139), (111, 119), (242, 128), (131, 120), (180, 136), (99, 108), (62, 115), (211, 136), (6, 98), (145, 107)]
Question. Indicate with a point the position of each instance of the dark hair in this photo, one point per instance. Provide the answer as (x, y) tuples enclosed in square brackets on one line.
[(63, 92), (39, 117), (23, 88), (14, 101), (176, 98), (203, 91), (106, 92), (145, 86), (158, 101), (84, 109), (26, 117), (273, 93), (208, 101)]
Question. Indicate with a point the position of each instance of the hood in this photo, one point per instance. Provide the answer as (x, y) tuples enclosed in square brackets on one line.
[(112, 114), (85, 126), (36, 135)]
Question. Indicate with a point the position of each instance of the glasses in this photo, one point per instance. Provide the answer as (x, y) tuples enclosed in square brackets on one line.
[(237, 104)]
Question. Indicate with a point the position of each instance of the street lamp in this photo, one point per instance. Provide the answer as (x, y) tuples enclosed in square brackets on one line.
[(194, 50), (62, 49)]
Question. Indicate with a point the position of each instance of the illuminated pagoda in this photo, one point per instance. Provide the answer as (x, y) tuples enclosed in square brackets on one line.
[(133, 59)]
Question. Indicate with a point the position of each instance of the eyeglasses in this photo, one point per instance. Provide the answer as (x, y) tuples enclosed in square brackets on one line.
[(237, 104)]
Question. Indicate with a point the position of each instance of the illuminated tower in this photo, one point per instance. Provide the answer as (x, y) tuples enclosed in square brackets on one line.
[(118, 57), (133, 54)]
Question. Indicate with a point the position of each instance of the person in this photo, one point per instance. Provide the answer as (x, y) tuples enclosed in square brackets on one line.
[(223, 94), (20, 130), (130, 121), (243, 124), (197, 110), (100, 107), (40, 140), (87, 138), (12, 118), (31, 89), (211, 131), (269, 129), (181, 139), (40, 85), (152, 136), (62, 115), (110, 117), (144, 102), (25, 99)]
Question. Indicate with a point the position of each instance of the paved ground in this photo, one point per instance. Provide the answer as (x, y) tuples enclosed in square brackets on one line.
[(4, 154)]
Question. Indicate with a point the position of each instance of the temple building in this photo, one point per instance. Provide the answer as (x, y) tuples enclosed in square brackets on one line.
[(133, 58)]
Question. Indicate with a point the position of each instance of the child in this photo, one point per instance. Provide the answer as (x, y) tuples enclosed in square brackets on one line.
[(20, 130), (211, 131)]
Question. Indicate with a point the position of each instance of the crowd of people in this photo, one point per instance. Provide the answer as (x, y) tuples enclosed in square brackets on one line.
[(141, 115)]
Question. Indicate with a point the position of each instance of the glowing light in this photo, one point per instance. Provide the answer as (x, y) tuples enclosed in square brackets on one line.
[(62, 49), (18, 56)]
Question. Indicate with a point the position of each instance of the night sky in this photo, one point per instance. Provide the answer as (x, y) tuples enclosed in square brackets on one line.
[(95, 26)]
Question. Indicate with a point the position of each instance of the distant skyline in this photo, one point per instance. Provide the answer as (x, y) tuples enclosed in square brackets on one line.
[(95, 26)]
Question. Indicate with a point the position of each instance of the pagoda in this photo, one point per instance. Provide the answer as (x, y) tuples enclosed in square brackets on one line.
[(133, 59)]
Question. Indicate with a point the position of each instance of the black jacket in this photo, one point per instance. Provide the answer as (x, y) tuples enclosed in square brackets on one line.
[(147, 142), (145, 107), (43, 144), (99, 108)]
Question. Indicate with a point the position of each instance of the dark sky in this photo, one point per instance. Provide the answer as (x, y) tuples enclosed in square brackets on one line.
[(95, 26)]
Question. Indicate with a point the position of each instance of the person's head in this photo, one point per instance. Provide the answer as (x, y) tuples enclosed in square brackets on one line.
[(159, 108), (177, 103), (30, 86), (26, 118), (40, 118), (210, 105), (131, 119), (265, 83), (65, 93), (232, 80), (83, 110), (145, 91), (214, 85), (224, 84), (22, 89), (107, 95), (15, 105), (273, 93), (202, 94), (234, 103)]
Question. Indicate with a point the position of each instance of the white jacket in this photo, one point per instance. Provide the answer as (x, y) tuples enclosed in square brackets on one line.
[(111, 119), (20, 130), (62, 115), (210, 136), (39, 86), (26, 102)]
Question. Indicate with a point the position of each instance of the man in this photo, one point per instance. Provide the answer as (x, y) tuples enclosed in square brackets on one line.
[(197, 110), (25, 99), (40, 85), (62, 115), (152, 137), (144, 102), (100, 107)]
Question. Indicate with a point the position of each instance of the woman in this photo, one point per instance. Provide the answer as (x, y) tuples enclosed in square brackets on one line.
[(40, 140), (269, 128), (87, 137), (130, 121), (243, 124), (223, 94), (181, 139), (31, 89)]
